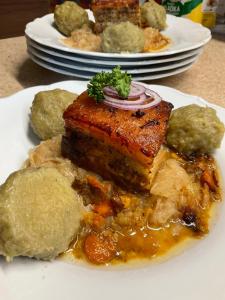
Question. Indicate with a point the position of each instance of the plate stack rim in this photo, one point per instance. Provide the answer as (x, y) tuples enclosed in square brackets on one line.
[(45, 47)]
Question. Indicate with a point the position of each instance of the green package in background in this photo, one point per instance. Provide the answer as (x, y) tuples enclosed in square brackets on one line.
[(200, 11), (180, 8)]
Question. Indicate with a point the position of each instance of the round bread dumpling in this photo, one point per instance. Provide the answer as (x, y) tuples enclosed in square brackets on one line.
[(69, 16), (195, 129), (123, 37), (153, 15), (47, 112), (40, 214)]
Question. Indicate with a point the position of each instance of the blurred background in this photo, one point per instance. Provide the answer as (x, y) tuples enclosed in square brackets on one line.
[(14, 14)]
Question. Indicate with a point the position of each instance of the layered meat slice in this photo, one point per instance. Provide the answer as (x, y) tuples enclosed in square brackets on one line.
[(117, 144), (107, 11)]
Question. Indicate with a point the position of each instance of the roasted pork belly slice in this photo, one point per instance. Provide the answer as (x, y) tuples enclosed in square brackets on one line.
[(118, 145), (107, 11)]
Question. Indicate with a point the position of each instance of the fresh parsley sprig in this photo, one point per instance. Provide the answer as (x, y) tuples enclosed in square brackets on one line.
[(117, 79)]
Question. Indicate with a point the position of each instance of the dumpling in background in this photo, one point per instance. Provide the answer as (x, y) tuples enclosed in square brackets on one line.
[(153, 15), (123, 37), (69, 16)]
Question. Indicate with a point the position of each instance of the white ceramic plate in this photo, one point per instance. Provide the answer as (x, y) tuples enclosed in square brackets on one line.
[(197, 274), (95, 69), (185, 35), (88, 75), (111, 62)]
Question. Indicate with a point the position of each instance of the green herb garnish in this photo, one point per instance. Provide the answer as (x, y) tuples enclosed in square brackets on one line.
[(117, 79)]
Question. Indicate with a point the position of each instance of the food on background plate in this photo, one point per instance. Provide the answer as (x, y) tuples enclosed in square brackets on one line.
[(46, 112), (153, 15), (117, 27), (123, 37), (154, 40), (40, 214), (113, 12), (117, 125), (69, 16), (194, 129), (85, 39)]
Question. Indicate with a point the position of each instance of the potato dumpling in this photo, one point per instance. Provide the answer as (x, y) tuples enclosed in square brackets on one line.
[(40, 214), (123, 37), (195, 129), (153, 15), (70, 16), (47, 110)]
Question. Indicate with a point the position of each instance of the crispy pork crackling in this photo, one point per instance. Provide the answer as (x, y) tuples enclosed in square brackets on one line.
[(119, 145)]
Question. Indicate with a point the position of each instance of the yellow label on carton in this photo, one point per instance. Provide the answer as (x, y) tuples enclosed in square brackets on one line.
[(200, 11)]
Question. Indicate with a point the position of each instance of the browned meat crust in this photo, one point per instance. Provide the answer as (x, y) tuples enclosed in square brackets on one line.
[(117, 144), (107, 11), (132, 135)]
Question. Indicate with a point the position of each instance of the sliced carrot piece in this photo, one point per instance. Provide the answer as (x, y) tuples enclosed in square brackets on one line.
[(99, 249)]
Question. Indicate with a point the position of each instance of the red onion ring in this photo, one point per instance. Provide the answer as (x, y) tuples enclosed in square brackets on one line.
[(141, 99), (134, 107), (110, 91), (147, 98), (136, 91)]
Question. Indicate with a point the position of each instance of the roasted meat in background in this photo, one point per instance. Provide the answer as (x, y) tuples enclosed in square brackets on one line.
[(107, 11)]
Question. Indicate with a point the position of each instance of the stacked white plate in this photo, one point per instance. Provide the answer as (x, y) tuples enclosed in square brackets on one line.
[(45, 47)]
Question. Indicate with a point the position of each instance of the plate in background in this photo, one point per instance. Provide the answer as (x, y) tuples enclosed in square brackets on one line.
[(89, 75), (96, 69), (185, 35), (111, 62)]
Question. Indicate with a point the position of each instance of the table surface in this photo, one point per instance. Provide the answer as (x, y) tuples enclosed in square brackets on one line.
[(206, 78)]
